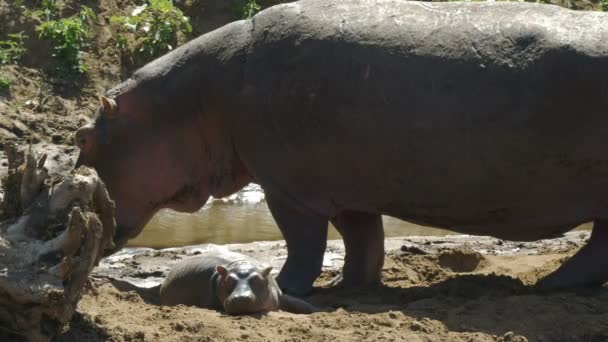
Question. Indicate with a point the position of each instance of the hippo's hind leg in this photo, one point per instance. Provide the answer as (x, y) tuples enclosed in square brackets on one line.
[(306, 238), (363, 236), (588, 267)]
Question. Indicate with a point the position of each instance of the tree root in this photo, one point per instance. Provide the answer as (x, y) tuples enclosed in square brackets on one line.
[(48, 249)]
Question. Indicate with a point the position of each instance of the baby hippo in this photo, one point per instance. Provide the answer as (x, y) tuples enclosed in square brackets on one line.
[(230, 281)]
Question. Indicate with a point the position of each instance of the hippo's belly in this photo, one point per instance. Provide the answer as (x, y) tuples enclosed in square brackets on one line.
[(511, 177), (483, 189), (511, 194), (501, 131)]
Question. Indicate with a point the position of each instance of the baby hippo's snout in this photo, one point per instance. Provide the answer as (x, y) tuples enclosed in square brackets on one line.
[(242, 302), (246, 290)]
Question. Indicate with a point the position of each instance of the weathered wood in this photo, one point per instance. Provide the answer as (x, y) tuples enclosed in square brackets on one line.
[(48, 252)]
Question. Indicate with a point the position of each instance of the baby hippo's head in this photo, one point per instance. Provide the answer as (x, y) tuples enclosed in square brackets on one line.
[(244, 288)]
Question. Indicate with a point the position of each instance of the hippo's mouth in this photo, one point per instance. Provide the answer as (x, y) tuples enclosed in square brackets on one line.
[(242, 307)]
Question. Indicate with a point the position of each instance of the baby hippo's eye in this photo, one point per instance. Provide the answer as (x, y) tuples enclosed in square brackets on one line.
[(230, 281), (257, 279)]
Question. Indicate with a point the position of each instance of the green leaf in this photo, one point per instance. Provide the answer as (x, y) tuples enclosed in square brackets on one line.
[(118, 19), (155, 27), (69, 36)]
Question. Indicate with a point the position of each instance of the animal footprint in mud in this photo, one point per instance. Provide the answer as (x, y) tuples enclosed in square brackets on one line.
[(460, 260)]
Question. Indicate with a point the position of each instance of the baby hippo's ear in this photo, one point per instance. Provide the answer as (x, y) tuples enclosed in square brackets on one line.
[(221, 270), (266, 271)]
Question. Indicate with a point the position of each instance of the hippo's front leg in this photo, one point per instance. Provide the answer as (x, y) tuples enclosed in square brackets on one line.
[(363, 235), (306, 236)]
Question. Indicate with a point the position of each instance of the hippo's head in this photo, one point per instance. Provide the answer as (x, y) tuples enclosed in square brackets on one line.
[(148, 162), (243, 288)]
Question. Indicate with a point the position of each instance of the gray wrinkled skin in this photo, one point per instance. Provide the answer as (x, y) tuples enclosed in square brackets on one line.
[(483, 118), (246, 287)]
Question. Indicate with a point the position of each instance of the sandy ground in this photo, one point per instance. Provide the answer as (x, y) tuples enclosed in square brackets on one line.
[(456, 288)]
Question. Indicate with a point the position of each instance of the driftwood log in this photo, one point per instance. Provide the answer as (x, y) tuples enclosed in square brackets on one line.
[(53, 232)]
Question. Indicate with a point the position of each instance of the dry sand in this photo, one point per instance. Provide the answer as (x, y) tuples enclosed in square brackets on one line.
[(456, 288)]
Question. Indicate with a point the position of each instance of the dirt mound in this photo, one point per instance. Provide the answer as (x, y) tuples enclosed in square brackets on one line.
[(460, 260)]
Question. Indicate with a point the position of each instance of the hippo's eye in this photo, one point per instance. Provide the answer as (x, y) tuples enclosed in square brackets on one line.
[(230, 281), (256, 279)]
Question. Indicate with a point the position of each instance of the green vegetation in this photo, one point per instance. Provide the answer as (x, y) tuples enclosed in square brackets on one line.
[(49, 8), (11, 50), (246, 9), (121, 42), (46, 10), (604, 5), (5, 83), (155, 25), (69, 37), (250, 8)]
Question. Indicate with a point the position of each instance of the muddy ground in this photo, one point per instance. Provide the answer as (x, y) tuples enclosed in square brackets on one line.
[(457, 288)]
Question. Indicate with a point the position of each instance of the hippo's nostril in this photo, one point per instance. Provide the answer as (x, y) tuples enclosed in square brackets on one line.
[(241, 304), (243, 299)]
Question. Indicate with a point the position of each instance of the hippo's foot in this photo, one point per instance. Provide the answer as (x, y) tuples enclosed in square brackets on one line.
[(306, 238), (299, 284), (588, 267), (338, 281), (363, 236)]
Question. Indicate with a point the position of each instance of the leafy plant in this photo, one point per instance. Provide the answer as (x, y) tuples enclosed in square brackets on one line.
[(49, 8), (156, 25), (121, 42), (44, 11), (5, 83), (604, 5), (250, 8), (245, 9), (69, 37), (11, 50)]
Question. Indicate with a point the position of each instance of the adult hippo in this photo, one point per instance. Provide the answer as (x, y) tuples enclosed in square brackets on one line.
[(483, 118)]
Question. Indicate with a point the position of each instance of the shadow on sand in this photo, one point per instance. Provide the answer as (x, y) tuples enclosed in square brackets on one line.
[(492, 304)]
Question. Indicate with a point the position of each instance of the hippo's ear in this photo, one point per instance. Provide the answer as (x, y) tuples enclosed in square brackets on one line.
[(266, 271), (221, 270), (109, 107)]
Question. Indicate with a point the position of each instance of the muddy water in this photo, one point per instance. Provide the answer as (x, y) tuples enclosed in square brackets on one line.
[(243, 217)]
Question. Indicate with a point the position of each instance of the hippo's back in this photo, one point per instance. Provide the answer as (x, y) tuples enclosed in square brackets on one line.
[(458, 115)]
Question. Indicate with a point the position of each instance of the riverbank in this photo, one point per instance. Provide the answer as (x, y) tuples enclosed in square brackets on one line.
[(454, 288)]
